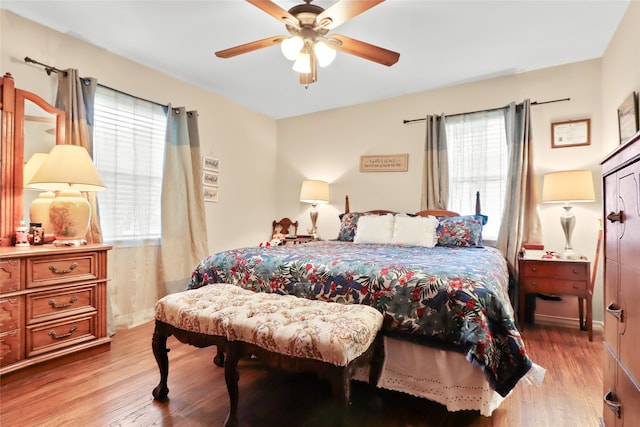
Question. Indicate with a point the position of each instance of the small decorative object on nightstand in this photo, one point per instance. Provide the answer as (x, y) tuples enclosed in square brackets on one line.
[(555, 276)]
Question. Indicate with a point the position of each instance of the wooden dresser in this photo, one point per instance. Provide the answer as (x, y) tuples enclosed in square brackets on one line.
[(53, 305), (621, 188)]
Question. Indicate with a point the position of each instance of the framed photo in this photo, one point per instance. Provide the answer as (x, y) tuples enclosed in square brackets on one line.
[(210, 163), (385, 163), (210, 178), (210, 194), (628, 117), (572, 133)]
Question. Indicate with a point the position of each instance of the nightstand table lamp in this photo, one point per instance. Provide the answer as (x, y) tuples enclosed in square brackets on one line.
[(314, 192), (567, 187)]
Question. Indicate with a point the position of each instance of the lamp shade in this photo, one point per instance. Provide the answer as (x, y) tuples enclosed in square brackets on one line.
[(67, 167), (568, 186), (324, 53), (314, 192)]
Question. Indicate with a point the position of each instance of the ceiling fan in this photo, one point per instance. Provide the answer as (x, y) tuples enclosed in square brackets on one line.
[(309, 44)]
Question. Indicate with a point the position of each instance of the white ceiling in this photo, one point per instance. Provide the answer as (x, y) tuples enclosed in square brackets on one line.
[(441, 43)]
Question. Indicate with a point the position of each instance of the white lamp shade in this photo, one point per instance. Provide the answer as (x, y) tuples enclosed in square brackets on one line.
[(303, 63), (67, 167), (291, 47), (568, 186), (324, 53), (32, 166), (314, 192)]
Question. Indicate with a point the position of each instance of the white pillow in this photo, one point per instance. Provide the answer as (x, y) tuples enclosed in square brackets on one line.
[(374, 229), (415, 231)]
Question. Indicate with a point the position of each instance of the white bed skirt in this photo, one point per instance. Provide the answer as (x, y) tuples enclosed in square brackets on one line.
[(438, 375)]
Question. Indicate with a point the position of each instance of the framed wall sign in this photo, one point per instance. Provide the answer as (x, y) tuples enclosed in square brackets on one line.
[(210, 178), (628, 117), (572, 133), (385, 163), (210, 194), (210, 163)]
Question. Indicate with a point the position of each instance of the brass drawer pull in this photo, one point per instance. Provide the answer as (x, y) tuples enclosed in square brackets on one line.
[(615, 312), (611, 403), (616, 217), (54, 304), (54, 269), (534, 269), (55, 336)]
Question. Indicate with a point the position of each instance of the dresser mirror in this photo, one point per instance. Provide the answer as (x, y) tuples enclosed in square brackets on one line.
[(29, 125)]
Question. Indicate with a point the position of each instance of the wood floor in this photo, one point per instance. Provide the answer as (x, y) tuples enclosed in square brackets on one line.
[(114, 389)]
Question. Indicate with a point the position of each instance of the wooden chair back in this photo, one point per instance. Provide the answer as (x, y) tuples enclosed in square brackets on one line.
[(284, 226)]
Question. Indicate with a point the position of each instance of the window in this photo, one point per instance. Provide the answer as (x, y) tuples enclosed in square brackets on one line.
[(128, 151), (477, 151)]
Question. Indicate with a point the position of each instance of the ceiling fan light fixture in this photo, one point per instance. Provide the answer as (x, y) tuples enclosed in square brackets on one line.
[(303, 63), (324, 53), (291, 47)]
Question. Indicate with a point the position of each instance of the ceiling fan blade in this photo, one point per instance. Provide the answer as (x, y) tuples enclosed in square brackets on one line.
[(365, 50), (276, 11), (344, 10), (249, 47)]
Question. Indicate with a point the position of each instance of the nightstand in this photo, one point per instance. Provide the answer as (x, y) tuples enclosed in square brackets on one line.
[(298, 240), (557, 277)]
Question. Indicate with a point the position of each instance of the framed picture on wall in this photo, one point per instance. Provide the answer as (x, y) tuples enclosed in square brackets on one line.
[(210, 178), (210, 194), (628, 117), (572, 133), (210, 163)]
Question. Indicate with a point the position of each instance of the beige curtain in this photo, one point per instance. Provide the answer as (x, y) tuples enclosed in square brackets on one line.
[(520, 220), (435, 178), (76, 97), (184, 231)]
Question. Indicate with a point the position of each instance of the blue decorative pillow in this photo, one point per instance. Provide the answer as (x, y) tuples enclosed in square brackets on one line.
[(460, 230), (348, 226)]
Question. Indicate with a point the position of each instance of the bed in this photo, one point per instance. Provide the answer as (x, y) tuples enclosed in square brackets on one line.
[(450, 334)]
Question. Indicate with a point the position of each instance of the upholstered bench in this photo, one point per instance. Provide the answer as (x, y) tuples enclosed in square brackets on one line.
[(282, 331)]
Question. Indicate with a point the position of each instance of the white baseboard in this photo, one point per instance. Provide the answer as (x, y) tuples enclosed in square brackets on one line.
[(566, 322)]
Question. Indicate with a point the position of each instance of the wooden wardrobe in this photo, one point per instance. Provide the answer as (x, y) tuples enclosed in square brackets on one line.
[(621, 189)]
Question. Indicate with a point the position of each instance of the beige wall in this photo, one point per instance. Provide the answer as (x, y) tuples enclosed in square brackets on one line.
[(243, 140), (328, 145)]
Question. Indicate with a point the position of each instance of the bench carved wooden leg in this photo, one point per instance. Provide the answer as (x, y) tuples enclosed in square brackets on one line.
[(218, 360), (231, 378), (160, 350)]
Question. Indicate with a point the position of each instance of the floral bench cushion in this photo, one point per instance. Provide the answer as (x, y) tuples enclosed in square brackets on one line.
[(285, 324)]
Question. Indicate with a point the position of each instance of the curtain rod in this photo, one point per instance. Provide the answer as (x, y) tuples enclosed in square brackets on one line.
[(491, 109), (49, 69)]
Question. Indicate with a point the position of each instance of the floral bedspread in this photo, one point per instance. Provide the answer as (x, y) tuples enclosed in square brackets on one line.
[(451, 297)]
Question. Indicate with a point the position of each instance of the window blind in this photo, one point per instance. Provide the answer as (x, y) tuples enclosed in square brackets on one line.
[(477, 152), (129, 136)]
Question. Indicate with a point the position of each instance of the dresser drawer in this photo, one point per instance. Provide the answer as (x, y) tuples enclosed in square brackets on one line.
[(11, 313), (556, 270), (11, 347), (54, 270), (44, 306), (50, 336), (9, 275), (553, 286)]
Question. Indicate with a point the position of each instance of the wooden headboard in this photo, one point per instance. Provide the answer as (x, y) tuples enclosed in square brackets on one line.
[(428, 212)]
